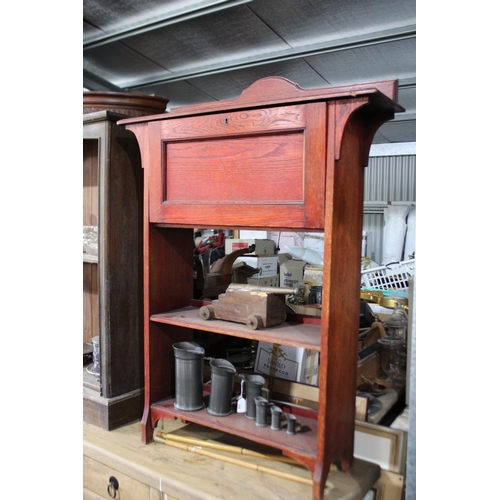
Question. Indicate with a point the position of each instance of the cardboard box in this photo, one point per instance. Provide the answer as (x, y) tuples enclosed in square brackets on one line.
[(267, 265), (291, 363), (315, 241), (262, 247), (282, 257), (291, 272), (269, 281)]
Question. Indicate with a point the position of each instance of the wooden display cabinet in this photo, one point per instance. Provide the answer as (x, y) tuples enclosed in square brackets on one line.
[(112, 280), (277, 158)]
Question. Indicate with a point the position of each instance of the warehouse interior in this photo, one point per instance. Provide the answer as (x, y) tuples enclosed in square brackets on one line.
[(42, 203), (192, 52)]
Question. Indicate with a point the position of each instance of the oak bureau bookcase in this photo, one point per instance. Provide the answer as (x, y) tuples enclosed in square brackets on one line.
[(279, 157)]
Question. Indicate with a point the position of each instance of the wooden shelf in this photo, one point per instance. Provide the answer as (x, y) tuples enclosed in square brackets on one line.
[(292, 334), (302, 443)]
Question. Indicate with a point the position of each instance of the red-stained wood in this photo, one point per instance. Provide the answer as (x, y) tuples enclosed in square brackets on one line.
[(340, 304), (290, 333), (274, 90), (168, 286), (235, 423), (264, 166), (226, 165)]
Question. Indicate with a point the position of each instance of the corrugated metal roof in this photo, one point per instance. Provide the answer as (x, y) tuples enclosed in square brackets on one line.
[(194, 51)]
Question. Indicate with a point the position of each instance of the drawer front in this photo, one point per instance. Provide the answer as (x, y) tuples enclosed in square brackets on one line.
[(90, 495), (153, 495), (96, 478), (264, 165)]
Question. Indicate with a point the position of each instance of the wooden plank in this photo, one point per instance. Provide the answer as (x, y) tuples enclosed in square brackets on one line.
[(90, 302), (265, 166), (90, 218), (303, 335), (90, 495), (277, 90), (302, 444), (111, 413), (340, 304), (185, 476), (90, 190), (96, 478)]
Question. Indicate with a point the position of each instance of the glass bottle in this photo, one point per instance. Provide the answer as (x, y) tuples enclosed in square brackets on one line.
[(397, 324)]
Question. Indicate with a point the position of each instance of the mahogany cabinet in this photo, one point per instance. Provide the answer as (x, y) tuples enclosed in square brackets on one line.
[(277, 158), (112, 280)]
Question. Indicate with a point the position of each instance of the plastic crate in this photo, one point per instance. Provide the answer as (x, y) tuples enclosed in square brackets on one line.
[(392, 276)]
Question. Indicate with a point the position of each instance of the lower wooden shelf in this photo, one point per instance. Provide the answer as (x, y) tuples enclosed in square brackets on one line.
[(303, 443)]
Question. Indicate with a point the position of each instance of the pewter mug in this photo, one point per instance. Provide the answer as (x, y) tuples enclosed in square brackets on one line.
[(253, 389), (221, 387), (261, 405), (188, 376)]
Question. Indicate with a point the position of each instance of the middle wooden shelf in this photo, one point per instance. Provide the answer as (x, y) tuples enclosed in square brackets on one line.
[(296, 334)]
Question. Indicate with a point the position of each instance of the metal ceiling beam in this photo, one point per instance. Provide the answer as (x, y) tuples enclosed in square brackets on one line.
[(404, 117), (209, 7), (94, 82), (407, 83), (386, 36)]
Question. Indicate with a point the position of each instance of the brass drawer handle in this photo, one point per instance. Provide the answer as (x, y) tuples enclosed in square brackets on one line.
[(112, 487)]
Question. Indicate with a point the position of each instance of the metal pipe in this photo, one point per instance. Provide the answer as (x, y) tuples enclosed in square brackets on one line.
[(387, 36), (243, 287)]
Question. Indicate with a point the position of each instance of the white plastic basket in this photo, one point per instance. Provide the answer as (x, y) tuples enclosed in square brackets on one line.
[(392, 276)]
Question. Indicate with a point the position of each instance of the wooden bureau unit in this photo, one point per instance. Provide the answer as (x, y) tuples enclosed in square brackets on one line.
[(278, 158), (112, 280)]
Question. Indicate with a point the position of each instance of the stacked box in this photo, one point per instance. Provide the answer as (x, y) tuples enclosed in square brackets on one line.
[(291, 271), (267, 281), (267, 265), (291, 363), (262, 247), (315, 241)]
